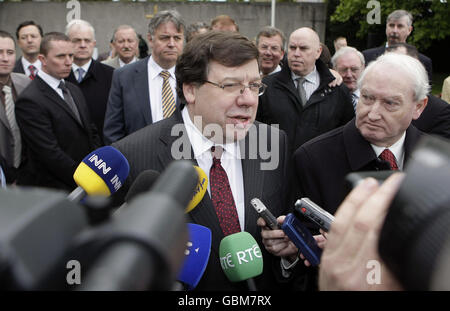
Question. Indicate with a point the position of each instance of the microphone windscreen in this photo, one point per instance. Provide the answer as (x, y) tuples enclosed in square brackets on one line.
[(102, 172), (240, 257), (200, 190), (197, 255), (143, 183), (178, 181)]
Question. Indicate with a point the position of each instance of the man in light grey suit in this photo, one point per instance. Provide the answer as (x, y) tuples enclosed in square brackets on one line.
[(125, 43), (11, 85), (139, 90)]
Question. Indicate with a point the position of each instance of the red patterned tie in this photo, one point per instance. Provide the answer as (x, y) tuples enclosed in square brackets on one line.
[(387, 155), (32, 72), (221, 195)]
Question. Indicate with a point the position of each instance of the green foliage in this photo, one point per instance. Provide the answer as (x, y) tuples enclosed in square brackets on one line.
[(431, 18)]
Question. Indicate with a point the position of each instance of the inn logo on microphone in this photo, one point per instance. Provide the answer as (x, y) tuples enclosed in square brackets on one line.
[(99, 164)]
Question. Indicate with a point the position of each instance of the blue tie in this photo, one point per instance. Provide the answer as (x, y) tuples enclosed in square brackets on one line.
[(80, 74)]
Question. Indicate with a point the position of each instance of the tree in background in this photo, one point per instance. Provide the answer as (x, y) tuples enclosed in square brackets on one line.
[(431, 19)]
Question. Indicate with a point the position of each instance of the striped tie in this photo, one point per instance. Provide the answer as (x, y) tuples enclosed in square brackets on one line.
[(15, 132), (168, 101)]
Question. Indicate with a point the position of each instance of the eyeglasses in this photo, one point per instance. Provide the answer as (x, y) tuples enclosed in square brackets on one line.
[(239, 88)]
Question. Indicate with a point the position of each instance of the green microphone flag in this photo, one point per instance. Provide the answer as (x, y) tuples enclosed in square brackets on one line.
[(240, 257)]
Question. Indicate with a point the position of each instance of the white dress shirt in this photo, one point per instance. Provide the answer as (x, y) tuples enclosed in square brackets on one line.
[(85, 67), (25, 63), (311, 83), (52, 82), (155, 82), (230, 161)]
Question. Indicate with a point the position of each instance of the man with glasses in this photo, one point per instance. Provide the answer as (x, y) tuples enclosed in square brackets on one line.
[(349, 63), (270, 42), (218, 83)]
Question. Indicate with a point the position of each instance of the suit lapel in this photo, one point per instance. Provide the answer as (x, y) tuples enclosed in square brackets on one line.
[(204, 213), (140, 85), (51, 94)]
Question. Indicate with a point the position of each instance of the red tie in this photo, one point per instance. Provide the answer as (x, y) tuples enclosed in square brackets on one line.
[(387, 156), (32, 72), (221, 195)]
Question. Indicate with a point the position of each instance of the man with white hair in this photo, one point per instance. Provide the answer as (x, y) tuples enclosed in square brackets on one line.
[(92, 77), (394, 92), (349, 63)]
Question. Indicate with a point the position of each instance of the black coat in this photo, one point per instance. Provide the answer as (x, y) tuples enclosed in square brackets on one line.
[(18, 67), (95, 87), (55, 141), (435, 119), (322, 163), (326, 109), (372, 54)]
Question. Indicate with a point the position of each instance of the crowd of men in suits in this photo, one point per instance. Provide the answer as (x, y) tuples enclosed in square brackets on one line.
[(367, 113)]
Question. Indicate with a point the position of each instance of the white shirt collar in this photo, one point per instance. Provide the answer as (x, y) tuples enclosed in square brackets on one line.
[(397, 149), (121, 63), (155, 69), (85, 66), (202, 145), (52, 81), (36, 64), (311, 77)]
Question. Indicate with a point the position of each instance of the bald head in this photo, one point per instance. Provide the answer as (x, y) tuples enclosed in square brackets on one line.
[(303, 50)]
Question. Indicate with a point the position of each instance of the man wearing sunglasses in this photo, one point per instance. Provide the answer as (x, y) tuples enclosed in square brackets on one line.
[(218, 82)]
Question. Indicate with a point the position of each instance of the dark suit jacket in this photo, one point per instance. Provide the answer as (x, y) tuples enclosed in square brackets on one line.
[(95, 87), (435, 119), (150, 148), (326, 109), (128, 108), (18, 67), (372, 54), (322, 163), (55, 141)]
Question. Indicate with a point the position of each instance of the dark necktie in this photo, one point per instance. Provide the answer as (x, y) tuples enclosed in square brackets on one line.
[(221, 195), (355, 99), (301, 90), (15, 132), (80, 74), (69, 100), (32, 72), (388, 156), (168, 101)]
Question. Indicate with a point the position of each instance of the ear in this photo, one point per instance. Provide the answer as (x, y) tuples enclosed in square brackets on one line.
[(410, 30), (95, 42), (43, 60), (319, 51), (189, 91), (150, 41), (419, 108)]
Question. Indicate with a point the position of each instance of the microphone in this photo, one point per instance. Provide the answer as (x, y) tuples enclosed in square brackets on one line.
[(200, 190), (197, 256), (147, 240), (102, 172), (241, 258), (143, 183)]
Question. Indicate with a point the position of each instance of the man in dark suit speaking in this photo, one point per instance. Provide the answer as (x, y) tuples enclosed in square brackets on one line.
[(394, 92), (218, 82), (53, 119)]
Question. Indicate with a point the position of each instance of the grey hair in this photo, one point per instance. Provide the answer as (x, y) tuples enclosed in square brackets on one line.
[(397, 14), (163, 17), (269, 31), (345, 50), (122, 27), (79, 22), (410, 66)]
